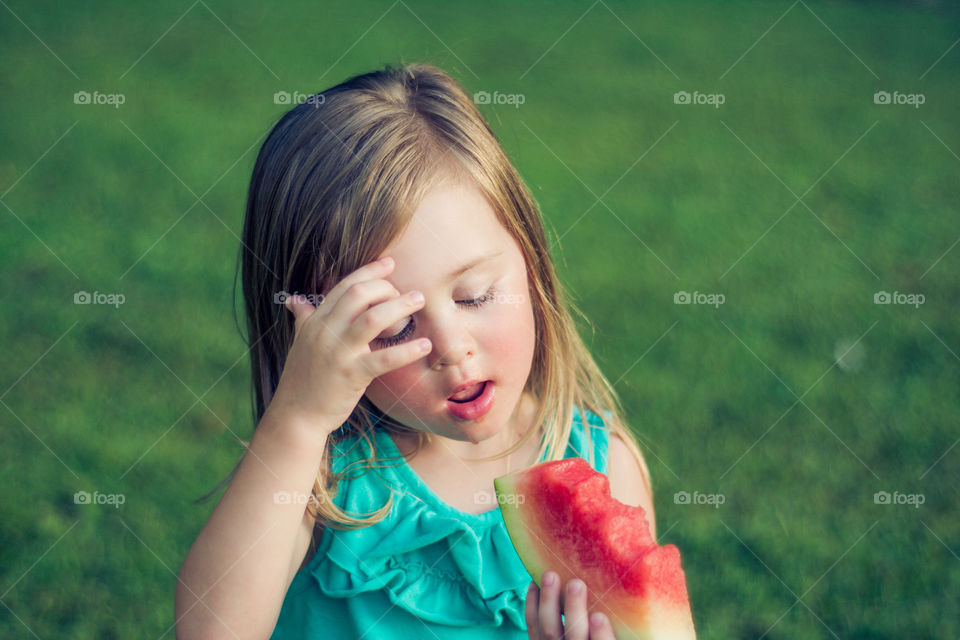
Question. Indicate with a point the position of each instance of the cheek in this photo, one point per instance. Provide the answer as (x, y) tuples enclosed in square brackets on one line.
[(510, 342), (403, 389)]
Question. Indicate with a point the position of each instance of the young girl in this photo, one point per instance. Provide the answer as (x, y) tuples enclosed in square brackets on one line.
[(432, 351)]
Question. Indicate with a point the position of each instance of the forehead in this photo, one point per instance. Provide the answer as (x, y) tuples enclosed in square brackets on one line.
[(453, 225)]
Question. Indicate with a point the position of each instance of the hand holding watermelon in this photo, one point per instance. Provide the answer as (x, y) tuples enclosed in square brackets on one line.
[(560, 515), (544, 606)]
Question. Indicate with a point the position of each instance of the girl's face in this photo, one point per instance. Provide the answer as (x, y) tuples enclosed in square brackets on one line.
[(480, 320)]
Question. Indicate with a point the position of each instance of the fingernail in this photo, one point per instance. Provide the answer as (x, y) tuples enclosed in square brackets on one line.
[(385, 261), (424, 345), (549, 578), (575, 587), (596, 620), (416, 297)]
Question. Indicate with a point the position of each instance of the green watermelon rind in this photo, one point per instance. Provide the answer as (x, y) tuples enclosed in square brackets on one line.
[(523, 542)]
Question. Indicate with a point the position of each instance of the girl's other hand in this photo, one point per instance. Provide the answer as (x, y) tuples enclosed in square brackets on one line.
[(543, 608), (330, 364)]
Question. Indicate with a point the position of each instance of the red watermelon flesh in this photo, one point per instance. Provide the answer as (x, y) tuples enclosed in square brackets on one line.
[(561, 517)]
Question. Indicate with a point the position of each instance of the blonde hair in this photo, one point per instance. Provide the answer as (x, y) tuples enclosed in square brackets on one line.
[(338, 177)]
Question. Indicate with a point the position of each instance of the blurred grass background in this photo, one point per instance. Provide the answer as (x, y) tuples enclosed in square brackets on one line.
[(753, 399)]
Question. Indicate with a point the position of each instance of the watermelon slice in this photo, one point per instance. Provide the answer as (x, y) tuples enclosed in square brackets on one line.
[(560, 516)]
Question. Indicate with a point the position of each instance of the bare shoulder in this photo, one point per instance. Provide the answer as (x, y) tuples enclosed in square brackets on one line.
[(628, 482)]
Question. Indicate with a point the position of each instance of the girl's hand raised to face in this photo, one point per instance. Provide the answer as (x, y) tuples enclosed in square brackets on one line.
[(542, 612), (330, 364)]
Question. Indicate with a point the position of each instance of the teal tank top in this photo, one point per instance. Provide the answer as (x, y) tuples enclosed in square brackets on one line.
[(426, 570)]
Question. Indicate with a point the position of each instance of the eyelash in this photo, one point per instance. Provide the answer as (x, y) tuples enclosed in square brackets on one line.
[(476, 303)]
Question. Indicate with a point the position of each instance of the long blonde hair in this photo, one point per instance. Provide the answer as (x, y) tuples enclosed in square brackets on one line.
[(338, 177)]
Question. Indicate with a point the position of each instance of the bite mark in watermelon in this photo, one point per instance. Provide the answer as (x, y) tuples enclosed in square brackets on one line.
[(561, 517)]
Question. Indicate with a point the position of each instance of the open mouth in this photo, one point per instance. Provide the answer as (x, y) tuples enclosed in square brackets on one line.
[(472, 403), (468, 395)]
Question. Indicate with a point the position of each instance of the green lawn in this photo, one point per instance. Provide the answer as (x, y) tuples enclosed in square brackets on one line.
[(797, 199)]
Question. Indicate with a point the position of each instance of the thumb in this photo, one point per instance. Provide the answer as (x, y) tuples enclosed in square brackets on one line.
[(299, 306)]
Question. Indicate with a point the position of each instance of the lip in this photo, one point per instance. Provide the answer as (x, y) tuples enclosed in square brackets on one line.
[(475, 408), (465, 385)]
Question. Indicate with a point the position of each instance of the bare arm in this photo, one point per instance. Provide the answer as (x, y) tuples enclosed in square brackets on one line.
[(627, 480), (233, 581), (237, 572)]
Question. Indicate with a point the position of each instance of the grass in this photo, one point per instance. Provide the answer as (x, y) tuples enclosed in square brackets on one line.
[(746, 399)]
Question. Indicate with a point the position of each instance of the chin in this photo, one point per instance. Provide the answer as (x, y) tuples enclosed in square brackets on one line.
[(481, 429)]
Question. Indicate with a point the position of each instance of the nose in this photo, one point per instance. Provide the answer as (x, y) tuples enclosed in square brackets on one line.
[(452, 343)]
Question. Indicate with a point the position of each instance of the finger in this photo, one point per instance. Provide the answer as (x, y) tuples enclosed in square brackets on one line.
[(387, 318), (300, 307), (355, 301), (369, 271), (600, 628), (530, 611), (386, 360), (576, 625), (549, 613)]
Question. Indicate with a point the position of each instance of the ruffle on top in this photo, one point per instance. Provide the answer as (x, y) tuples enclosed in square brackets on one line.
[(440, 564)]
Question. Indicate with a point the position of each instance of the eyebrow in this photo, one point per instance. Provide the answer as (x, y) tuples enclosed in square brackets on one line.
[(470, 265)]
